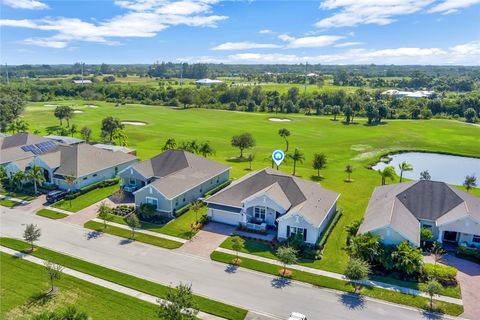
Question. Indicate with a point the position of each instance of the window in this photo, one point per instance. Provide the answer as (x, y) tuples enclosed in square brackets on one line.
[(295, 230), (131, 182), (427, 226), (152, 201), (260, 213), (476, 238)]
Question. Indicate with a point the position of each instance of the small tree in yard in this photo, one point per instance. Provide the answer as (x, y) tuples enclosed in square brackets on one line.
[(470, 182), (196, 206), (70, 180), (133, 222), (425, 235), (387, 172), (237, 244), (103, 212), (432, 288), (349, 171), (250, 159), (437, 251), (31, 234), (286, 255), (357, 269), (54, 272), (178, 304)]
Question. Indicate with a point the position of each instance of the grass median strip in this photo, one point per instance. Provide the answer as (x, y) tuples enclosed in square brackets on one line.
[(140, 237), (8, 203), (265, 250), (204, 304), (322, 281), (24, 286), (51, 214)]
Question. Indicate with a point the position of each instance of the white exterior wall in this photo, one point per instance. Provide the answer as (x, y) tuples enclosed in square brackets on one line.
[(297, 221), (328, 218), (94, 177), (222, 216)]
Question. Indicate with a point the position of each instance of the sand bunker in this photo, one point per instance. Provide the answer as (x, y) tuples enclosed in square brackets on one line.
[(134, 123), (91, 106), (77, 111), (279, 119)]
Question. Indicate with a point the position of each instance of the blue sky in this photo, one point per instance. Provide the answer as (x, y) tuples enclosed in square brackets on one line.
[(327, 32)]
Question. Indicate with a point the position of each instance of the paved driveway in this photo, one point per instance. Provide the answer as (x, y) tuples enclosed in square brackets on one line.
[(469, 279), (245, 288), (207, 240)]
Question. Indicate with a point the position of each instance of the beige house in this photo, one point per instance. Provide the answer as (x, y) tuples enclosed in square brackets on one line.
[(397, 213), (272, 200)]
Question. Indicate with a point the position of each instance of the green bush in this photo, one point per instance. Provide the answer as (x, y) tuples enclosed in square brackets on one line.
[(182, 210), (469, 253), (446, 275), (123, 210), (217, 188)]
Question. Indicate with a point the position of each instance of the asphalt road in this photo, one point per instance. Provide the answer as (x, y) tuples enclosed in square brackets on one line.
[(251, 290)]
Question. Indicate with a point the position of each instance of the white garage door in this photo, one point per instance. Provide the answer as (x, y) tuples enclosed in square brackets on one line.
[(226, 217)]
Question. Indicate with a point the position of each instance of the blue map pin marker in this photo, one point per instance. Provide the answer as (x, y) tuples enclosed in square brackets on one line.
[(278, 157)]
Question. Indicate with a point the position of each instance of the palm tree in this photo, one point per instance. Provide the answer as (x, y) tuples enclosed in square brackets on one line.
[(73, 129), (296, 156), (349, 171), (22, 125), (470, 182), (387, 172), (70, 180), (12, 127), (404, 167), (18, 179), (206, 149), (35, 174), (284, 133)]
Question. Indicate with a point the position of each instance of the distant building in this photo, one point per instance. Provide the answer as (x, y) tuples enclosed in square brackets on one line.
[(408, 94), (312, 74), (207, 82), (85, 81), (113, 148), (65, 140)]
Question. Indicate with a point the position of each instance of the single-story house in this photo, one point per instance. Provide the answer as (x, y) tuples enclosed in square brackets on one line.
[(173, 179), (270, 199), (398, 212), (113, 148), (84, 162)]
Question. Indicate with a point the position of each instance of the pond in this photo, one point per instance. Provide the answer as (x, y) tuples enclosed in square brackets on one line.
[(442, 167)]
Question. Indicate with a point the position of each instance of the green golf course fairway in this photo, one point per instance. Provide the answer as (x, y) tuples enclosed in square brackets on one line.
[(358, 145)]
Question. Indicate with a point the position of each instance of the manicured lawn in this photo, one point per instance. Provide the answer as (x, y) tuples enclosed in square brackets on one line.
[(156, 289), (265, 250), (8, 203), (24, 285), (86, 199), (321, 281), (178, 227), (358, 145), (51, 214), (124, 233)]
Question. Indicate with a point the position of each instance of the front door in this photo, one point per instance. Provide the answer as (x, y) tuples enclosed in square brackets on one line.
[(450, 236)]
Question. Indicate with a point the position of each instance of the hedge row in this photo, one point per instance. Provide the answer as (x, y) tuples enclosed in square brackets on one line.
[(101, 184)]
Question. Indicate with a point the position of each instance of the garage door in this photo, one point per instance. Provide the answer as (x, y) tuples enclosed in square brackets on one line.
[(226, 217)]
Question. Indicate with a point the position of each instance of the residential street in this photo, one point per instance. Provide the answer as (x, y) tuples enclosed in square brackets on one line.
[(251, 290)]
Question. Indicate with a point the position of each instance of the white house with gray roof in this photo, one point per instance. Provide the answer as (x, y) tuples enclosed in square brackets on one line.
[(173, 179), (398, 212), (270, 199), (84, 162)]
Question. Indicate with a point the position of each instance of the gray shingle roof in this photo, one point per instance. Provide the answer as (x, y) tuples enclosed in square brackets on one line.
[(177, 171), (82, 159), (304, 197), (20, 139)]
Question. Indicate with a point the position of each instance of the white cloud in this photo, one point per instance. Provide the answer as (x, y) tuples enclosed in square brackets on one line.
[(265, 31), (310, 42), (348, 44), (145, 19), (25, 4), (470, 48), (244, 46), (356, 12), (451, 6)]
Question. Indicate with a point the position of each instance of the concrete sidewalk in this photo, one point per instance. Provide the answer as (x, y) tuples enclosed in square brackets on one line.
[(140, 230), (339, 276), (101, 282)]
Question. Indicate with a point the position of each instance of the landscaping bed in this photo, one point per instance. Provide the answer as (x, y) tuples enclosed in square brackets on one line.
[(51, 214), (204, 304), (322, 281), (127, 234)]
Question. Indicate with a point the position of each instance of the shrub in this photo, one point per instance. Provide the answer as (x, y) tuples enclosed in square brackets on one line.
[(178, 212), (217, 188), (469, 253), (444, 274), (101, 184), (123, 210)]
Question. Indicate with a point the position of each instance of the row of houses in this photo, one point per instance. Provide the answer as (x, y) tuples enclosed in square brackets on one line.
[(263, 201)]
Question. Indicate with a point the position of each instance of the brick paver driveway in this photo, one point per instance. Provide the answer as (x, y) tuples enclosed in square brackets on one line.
[(207, 240), (469, 279)]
